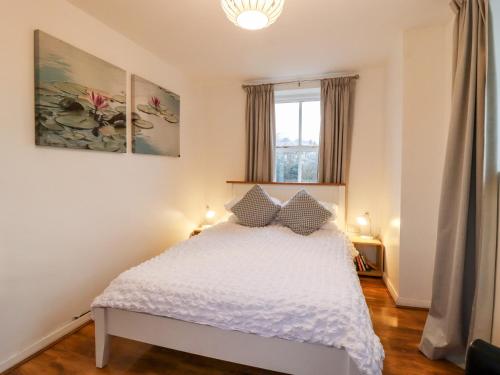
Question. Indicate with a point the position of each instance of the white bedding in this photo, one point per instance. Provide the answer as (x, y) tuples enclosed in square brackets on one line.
[(268, 281)]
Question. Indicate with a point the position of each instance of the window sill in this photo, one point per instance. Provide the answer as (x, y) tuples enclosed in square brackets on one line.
[(285, 183)]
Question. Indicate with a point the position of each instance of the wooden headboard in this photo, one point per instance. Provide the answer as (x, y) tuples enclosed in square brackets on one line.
[(283, 191)]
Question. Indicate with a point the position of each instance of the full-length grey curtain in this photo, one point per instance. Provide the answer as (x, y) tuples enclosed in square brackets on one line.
[(335, 131), (464, 272), (260, 130)]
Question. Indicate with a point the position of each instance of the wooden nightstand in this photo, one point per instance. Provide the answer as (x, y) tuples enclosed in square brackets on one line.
[(199, 229), (363, 245), (195, 232)]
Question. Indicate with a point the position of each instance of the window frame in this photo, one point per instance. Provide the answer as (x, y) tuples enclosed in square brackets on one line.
[(297, 97)]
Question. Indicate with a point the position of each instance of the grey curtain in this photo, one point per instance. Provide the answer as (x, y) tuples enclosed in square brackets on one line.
[(464, 272), (260, 130), (335, 133)]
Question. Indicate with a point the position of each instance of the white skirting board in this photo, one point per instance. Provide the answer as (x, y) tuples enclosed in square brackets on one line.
[(402, 301), (392, 291), (44, 342), (412, 302)]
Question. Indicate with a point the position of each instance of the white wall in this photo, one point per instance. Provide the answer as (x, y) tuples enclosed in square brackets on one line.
[(391, 197), (226, 140), (72, 220), (426, 107), (367, 161), (418, 100)]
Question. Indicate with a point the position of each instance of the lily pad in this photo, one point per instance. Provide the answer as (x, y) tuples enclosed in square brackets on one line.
[(78, 136), (162, 109), (71, 88), (118, 137), (121, 108), (47, 101), (135, 116), (72, 136), (146, 108), (50, 124), (105, 146), (46, 113), (171, 117), (90, 137), (76, 144), (55, 140), (119, 98), (143, 124), (77, 121)]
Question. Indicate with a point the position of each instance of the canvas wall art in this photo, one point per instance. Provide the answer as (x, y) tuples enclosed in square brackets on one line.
[(79, 98), (155, 119)]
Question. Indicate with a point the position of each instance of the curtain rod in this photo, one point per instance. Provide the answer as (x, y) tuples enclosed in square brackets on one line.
[(299, 81)]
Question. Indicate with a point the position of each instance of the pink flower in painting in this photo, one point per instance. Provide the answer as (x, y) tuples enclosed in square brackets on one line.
[(98, 100), (155, 102)]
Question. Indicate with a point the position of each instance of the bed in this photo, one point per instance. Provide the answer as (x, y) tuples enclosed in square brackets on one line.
[(264, 297)]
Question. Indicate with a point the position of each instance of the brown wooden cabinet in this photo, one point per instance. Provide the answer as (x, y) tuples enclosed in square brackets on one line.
[(366, 246), (196, 231)]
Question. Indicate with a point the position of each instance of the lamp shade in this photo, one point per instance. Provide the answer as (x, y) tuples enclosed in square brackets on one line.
[(365, 225), (362, 220), (252, 14), (209, 216)]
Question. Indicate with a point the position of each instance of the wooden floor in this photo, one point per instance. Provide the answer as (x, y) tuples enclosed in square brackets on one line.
[(399, 330)]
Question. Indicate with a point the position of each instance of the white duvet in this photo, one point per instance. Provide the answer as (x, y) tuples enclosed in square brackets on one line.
[(268, 281)]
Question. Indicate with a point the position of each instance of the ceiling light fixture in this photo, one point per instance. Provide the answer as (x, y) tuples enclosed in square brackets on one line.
[(252, 14)]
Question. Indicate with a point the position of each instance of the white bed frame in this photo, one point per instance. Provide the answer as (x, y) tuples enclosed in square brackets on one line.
[(269, 353)]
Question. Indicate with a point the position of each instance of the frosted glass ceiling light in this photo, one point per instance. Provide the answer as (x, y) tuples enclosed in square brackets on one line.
[(252, 14)]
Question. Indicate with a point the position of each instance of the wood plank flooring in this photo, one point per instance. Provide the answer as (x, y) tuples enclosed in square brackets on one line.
[(399, 330)]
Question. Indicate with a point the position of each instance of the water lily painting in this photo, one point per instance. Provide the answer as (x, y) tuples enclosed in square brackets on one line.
[(155, 119), (79, 98)]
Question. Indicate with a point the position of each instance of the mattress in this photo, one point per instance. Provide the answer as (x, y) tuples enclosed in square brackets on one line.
[(267, 281)]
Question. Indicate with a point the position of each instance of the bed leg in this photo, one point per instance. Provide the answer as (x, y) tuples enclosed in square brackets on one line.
[(101, 338)]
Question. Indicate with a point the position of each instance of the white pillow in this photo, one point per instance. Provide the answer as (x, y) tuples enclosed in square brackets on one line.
[(332, 223), (329, 225), (232, 219), (332, 207)]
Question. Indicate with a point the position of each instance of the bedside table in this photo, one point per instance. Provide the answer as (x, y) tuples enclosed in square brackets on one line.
[(195, 232), (198, 230), (362, 245)]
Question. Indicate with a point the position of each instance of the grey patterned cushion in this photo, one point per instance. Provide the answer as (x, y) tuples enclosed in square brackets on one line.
[(303, 214), (256, 208)]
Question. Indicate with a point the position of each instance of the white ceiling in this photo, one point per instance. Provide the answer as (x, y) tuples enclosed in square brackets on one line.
[(310, 37)]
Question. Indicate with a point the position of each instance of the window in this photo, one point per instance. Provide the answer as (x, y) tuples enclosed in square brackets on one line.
[(297, 135)]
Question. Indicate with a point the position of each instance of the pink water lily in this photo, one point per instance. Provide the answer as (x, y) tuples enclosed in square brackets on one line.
[(98, 100), (155, 102)]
